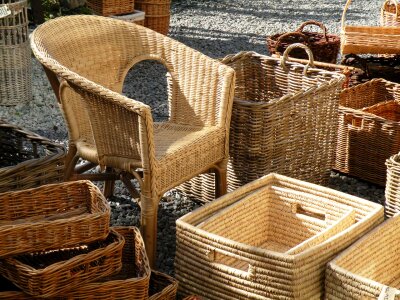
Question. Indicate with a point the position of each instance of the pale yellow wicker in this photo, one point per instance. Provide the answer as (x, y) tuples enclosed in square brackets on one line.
[(284, 120), (369, 269), (52, 216), (390, 14), (157, 14), (368, 39), (236, 247), (55, 272), (15, 55), (392, 188)]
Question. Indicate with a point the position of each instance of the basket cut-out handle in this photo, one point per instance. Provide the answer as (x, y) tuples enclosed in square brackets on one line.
[(293, 46), (388, 293), (290, 34), (313, 22), (297, 208), (390, 2), (220, 258)]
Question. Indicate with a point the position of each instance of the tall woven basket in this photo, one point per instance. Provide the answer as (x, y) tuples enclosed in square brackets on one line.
[(15, 55), (390, 13), (157, 14), (283, 120)]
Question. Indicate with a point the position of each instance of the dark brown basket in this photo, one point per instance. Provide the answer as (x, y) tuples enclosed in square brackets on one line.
[(162, 286), (369, 129), (111, 7), (27, 159), (325, 47)]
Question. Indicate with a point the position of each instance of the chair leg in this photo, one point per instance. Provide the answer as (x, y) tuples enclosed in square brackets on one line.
[(148, 226), (70, 161), (221, 186), (108, 184)]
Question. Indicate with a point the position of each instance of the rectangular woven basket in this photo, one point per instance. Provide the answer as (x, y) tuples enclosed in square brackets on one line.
[(54, 273), (51, 217), (225, 250), (369, 129), (369, 268), (108, 8), (392, 188)]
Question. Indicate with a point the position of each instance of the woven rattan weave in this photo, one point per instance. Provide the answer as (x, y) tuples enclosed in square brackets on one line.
[(111, 7), (28, 160), (369, 129), (15, 55), (390, 13), (368, 269), (222, 251), (392, 188), (157, 14), (162, 286), (52, 273), (52, 216)]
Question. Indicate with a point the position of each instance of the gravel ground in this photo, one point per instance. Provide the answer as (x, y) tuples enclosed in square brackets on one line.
[(216, 28)]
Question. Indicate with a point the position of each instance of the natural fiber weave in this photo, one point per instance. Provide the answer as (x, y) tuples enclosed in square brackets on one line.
[(226, 250), (157, 14), (136, 17), (390, 14), (368, 39), (52, 273), (367, 268), (111, 7), (28, 160), (392, 188), (162, 286), (52, 216), (284, 120), (325, 47), (369, 129), (15, 55)]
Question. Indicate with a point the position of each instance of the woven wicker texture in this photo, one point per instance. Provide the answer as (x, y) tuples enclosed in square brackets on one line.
[(15, 55), (368, 267), (368, 39), (157, 14), (325, 47), (162, 286), (392, 188), (369, 129), (111, 7), (390, 14), (192, 141), (136, 17), (224, 253), (51, 273), (52, 216), (281, 116), (28, 160)]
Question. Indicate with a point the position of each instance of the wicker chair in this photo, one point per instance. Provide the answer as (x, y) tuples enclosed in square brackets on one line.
[(87, 58)]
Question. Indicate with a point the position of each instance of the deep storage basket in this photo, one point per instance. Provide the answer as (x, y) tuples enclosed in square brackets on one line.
[(392, 188), (111, 7), (369, 129), (162, 286), (15, 54), (220, 252), (284, 120), (28, 160), (369, 268), (157, 14), (325, 47), (390, 13), (52, 273), (52, 216)]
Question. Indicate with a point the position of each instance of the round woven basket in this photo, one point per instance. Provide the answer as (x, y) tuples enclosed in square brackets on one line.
[(157, 14)]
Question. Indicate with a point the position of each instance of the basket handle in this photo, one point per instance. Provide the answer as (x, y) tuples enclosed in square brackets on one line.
[(346, 7), (290, 48), (288, 34), (390, 2), (313, 22), (297, 208)]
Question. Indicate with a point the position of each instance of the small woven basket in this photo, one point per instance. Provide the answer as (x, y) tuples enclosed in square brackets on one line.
[(15, 54), (369, 129), (157, 14), (111, 7), (392, 188), (390, 14), (27, 159), (325, 47), (54, 273), (369, 268), (51, 217), (162, 286)]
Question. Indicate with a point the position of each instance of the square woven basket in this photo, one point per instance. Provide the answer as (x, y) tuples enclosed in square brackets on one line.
[(368, 269), (226, 250), (54, 273), (108, 8), (369, 129), (52, 216)]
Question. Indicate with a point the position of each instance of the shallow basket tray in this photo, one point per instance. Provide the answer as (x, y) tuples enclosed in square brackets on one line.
[(392, 188), (52, 216), (369, 268), (27, 159), (222, 262), (55, 272)]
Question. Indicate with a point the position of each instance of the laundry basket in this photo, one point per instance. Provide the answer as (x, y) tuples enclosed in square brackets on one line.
[(15, 54), (284, 120), (242, 245)]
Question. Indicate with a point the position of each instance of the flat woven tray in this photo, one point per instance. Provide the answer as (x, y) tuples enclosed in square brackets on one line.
[(52, 216), (52, 273), (27, 159)]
